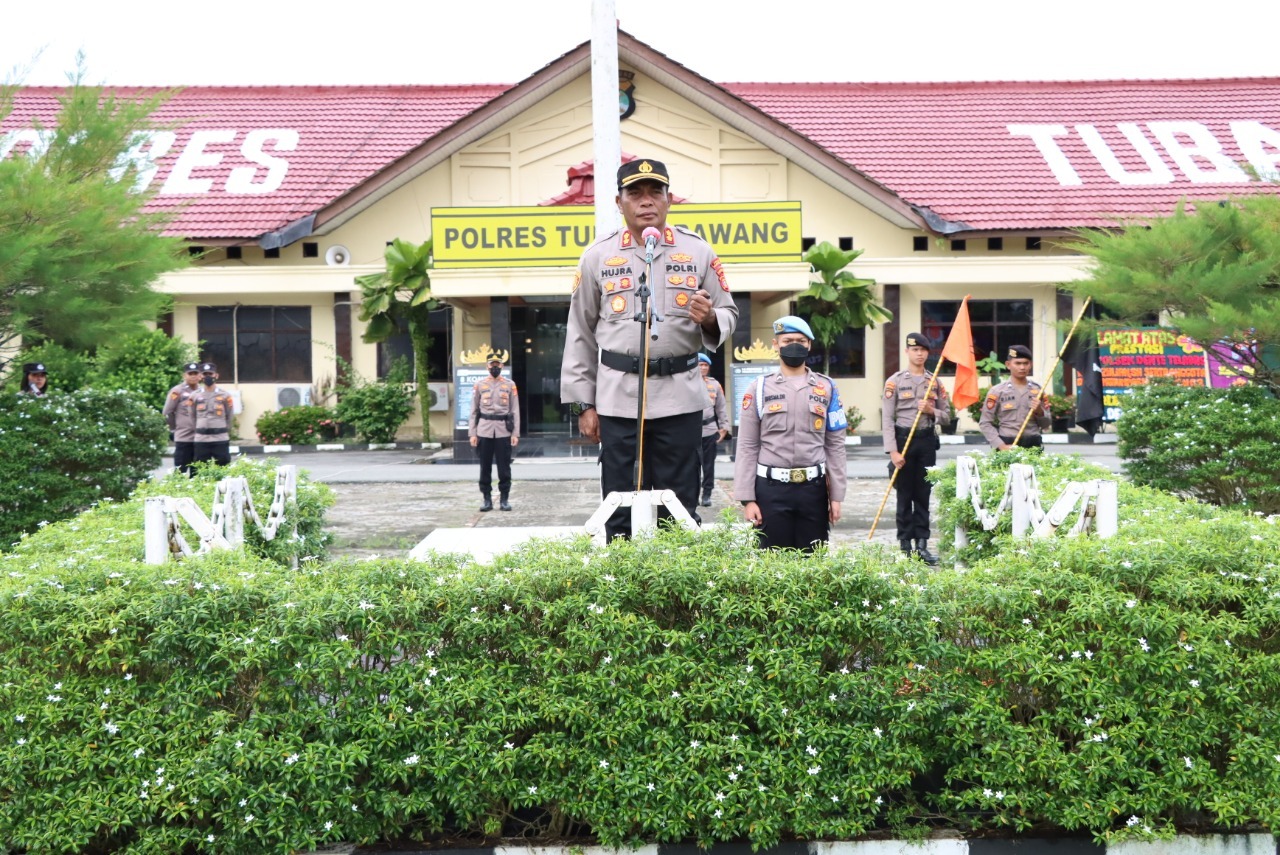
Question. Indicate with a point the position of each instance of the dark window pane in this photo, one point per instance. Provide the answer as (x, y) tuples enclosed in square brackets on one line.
[(996, 324), (274, 342), (848, 355), (980, 311), (1013, 310)]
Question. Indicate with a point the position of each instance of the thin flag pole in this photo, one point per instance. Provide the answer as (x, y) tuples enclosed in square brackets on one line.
[(928, 393), (1040, 395)]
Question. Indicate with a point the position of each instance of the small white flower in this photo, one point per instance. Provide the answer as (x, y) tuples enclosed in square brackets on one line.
[(987, 793), (20, 718), (1195, 684), (328, 826), (720, 797), (1127, 564), (1146, 648), (139, 752), (1132, 821), (533, 790), (364, 606), (719, 813), (835, 799), (604, 764), (813, 770), (1129, 604), (510, 746), (832, 697), (879, 800), (733, 776), (733, 737), (695, 744), (675, 694), (412, 760), (877, 731), (248, 818), (763, 788), (23, 741), (1188, 762), (811, 751), (111, 728), (650, 787), (53, 699), (999, 795), (210, 838), (244, 802), (291, 759), (128, 677)]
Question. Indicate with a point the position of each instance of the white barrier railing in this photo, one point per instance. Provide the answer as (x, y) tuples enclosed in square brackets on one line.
[(1097, 501), (224, 529)]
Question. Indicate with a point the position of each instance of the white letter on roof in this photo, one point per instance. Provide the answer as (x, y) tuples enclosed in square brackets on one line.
[(180, 182), (1042, 136), (144, 157), (241, 178), (1157, 171), (1254, 138), (1202, 145)]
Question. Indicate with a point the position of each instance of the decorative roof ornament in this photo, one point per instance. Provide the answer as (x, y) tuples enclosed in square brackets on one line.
[(480, 356), (757, 352)]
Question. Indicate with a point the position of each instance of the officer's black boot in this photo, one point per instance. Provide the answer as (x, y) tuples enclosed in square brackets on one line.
[(922, 549), (488, 503), (503, 504), (905, 546), (706, 499)]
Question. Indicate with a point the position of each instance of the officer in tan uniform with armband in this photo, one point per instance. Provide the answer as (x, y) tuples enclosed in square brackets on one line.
[(494, 430), (180, 413), (214, 408), (904, 397), (790, 472), (691, 310), (1008, 403)]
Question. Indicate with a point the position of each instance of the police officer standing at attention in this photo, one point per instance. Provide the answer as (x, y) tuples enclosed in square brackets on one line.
[(495, 431), (180, 413), (603, 356), (790, 471), (904, 397), (213, 407), (715, 427), (1008, 403), (35, 380)]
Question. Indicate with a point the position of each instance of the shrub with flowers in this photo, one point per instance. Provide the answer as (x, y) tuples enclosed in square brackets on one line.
[(681, 687), (62, 453), (302, 425)]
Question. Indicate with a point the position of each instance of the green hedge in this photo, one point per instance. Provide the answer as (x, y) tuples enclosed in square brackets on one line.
[(301, 425), (65, 452), (686, 687)]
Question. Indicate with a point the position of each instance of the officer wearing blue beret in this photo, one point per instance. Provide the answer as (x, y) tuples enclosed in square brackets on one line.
[(790, 470)]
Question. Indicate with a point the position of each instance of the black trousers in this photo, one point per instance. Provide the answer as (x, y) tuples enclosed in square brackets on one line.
[(912, 486), (1025, 442), (793, 516), (672, 454), (709, 444), (219, 452), (491, 449), (183, 454)]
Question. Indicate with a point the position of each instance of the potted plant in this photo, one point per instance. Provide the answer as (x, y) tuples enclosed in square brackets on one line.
[(950, 427), (991, 367), (1060, 409)]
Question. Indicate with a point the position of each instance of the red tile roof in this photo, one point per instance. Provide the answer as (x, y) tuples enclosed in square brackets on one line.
[(338, 136), (1035, 155), (970, 156)]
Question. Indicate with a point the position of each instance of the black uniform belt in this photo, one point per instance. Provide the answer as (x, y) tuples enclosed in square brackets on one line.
[(709, 421), (660, 367), (1029, 440), (494, 417), (901, 432), (792, 476), (210, 431)]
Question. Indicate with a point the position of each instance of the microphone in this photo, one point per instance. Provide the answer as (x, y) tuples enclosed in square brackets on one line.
[(651, 237)]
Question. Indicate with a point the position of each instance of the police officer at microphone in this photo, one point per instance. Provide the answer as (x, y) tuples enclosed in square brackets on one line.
[(1008, 403), (604, 346), (789, 472)]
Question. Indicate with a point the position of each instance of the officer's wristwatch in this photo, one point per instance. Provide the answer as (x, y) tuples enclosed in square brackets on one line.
[(581, 407)]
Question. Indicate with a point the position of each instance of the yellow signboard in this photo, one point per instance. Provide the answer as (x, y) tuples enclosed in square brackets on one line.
[(556, 237)]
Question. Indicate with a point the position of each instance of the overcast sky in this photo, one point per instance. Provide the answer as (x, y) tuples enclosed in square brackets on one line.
[(504, 41)]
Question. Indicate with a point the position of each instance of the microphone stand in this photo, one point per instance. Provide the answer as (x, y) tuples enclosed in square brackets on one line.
[(646, 317)]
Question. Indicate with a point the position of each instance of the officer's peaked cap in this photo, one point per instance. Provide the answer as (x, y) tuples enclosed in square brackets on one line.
[(34, 368), (1019, 351), (493, 357), (191, 366), (790, 323), (642, 170), (208, 366), (702, 357)]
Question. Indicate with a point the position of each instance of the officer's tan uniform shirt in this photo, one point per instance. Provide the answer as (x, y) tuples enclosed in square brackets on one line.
[(715, 416), (180, 412), (1005, 408), (494, 396), (602, 312), (902, 395), (791, 433), (213, 409)]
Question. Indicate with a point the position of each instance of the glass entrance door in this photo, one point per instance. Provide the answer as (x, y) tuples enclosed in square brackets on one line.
[(537, 347)]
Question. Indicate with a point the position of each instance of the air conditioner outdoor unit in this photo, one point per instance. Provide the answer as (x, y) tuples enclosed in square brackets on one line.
[(293, 395), (438, 394)]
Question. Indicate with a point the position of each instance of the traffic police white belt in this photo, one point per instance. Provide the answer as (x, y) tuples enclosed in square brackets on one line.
[(792, 476)]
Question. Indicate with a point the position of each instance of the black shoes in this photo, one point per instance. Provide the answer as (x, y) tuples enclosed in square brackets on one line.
[(905, 546), (488, 504), (706, 500), (922, 550), (504, 505)]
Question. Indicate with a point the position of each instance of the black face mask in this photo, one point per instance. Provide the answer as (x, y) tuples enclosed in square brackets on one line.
[(207, 380), (793, 355), (495, 370)]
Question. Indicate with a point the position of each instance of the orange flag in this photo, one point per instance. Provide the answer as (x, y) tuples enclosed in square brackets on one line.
[(959, 349)]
